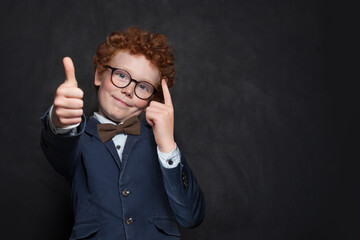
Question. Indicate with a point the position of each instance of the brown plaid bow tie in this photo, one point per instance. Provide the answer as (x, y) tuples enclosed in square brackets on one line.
[(107, 130)]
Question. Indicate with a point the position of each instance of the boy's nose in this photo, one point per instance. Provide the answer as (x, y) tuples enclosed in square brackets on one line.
[(129, 90)]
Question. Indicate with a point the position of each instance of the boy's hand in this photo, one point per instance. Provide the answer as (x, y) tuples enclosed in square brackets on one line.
[(68, 103), (161, 118)]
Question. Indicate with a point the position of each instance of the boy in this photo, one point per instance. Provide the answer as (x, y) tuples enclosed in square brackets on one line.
[(128, 180)]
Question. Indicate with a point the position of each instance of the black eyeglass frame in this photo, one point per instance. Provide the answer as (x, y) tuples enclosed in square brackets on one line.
[(131, 80)]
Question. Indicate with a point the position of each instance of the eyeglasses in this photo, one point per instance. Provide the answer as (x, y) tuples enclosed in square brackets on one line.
[(121, 79)]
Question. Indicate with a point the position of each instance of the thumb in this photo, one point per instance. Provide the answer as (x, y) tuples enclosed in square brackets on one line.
[(69, 72)]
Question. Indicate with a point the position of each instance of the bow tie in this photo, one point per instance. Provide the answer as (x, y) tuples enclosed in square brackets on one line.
[(107, 130)]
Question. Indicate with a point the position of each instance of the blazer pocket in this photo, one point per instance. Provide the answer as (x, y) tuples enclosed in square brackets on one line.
[(167, 226), (84, 230)]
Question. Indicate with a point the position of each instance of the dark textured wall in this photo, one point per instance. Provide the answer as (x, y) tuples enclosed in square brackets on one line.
[(256, 111)]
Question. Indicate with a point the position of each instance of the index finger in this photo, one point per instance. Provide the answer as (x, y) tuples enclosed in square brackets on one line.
[(166, 92), (69, 71)]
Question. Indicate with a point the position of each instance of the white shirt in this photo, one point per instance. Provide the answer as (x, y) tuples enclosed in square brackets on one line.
[(167, 160)]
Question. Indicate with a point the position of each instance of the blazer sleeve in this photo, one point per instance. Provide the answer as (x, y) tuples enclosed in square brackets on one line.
[(61, 150), (185, 196)]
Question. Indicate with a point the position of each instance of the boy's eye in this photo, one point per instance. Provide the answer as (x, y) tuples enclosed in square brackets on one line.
[(121, 75), (143, 87)]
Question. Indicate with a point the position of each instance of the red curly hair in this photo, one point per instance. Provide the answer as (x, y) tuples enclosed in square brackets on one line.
[(153, 46)]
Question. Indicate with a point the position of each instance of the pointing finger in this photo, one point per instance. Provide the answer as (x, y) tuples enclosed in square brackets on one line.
[(166, 92), (69, 72)]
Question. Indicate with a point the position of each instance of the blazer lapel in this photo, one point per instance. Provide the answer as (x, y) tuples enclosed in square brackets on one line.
[(130, 142), (92, 130)]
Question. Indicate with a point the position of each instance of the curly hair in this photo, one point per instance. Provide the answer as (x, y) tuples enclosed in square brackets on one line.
[(153, 46)]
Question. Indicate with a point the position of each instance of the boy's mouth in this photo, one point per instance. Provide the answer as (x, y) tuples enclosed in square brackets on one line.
[(121, 102)]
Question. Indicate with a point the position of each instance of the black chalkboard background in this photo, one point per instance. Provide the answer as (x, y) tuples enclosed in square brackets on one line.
[(263, 111)]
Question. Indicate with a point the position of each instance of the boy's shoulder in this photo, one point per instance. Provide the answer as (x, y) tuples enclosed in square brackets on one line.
[(146, 128)]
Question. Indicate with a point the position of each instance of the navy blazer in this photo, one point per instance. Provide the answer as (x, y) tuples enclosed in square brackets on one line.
[(136, 199)]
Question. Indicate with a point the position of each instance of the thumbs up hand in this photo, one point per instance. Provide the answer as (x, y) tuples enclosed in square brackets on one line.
[(68, 101), (161, 117)]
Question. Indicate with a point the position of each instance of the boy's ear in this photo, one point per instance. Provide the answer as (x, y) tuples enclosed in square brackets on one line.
[(97, 78)]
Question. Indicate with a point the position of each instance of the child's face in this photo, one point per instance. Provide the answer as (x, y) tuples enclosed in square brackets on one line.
[(119, 104)]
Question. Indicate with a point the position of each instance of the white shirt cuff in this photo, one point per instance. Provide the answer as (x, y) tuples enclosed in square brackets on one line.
[(56, 130), (171, 159)]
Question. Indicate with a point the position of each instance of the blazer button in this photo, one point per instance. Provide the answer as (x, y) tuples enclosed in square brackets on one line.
[(125, 192), (129, 220), (185, 179), (183, 174)]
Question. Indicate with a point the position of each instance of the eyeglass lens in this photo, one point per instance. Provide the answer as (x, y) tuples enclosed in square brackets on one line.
[(121, 79)]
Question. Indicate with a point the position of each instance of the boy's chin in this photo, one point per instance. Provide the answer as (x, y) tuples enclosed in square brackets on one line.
[(121, 119)]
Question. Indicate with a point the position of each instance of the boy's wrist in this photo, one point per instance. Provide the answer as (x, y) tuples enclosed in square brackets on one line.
[(168, 147), (59, 130)]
